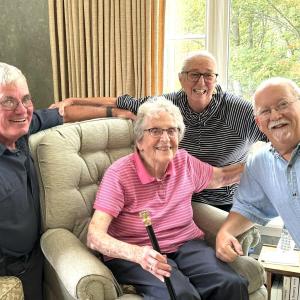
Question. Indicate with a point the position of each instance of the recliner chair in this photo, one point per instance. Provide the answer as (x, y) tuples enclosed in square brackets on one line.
[(70, 160)]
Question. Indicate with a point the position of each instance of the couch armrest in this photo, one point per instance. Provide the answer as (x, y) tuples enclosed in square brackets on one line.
[(210, 219), (81, 272)]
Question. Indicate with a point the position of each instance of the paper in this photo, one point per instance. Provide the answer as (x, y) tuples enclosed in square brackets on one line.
[(289, 258)]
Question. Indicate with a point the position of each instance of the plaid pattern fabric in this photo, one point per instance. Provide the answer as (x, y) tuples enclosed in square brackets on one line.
[(11, 288)]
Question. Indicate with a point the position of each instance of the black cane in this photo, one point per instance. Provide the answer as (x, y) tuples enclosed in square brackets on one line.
[(147, 222)]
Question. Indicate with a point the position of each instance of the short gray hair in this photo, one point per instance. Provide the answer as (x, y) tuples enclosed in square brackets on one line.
[(197, 54), (151, 109), (279, 81), (10, 74)]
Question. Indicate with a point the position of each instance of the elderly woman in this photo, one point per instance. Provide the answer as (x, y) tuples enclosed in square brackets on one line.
[(161, 179)]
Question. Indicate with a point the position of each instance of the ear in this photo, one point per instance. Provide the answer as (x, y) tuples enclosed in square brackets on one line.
[(139, 146), (258, 123), (180, 77)]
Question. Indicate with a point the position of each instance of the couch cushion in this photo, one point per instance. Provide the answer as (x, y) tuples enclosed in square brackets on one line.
[(72, 159)]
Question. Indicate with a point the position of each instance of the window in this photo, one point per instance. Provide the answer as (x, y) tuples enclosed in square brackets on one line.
[(184, 33), (251, 40), (264, 42)]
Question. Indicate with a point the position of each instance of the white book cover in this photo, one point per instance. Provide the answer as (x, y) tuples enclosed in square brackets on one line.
[(286, 288), (274, 288), (294, 288), (279, 289)]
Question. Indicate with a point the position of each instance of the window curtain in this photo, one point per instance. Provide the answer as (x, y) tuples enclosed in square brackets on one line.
[(106, 47), (218, 14)]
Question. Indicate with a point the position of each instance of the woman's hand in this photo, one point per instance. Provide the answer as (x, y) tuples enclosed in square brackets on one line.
[(154, 262)]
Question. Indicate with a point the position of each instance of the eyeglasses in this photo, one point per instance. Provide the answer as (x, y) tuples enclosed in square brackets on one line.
[(10, 103), (281, 107), (158, 132), (195, 76)]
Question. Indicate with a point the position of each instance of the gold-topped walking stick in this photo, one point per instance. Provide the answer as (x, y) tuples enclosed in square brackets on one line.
[(147, 222)]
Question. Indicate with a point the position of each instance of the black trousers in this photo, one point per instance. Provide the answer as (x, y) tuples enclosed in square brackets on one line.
[(29, 269), (196, 274)]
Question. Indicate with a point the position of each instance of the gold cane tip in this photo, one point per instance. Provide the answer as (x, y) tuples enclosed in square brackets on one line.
[(145, 216)]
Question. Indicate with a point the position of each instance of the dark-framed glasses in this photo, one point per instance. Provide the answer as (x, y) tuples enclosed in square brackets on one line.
[(195, 76), (265, 112), (11, 103), (158, 132)]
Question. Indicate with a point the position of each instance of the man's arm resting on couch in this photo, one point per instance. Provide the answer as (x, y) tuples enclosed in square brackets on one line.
[(228, 247)]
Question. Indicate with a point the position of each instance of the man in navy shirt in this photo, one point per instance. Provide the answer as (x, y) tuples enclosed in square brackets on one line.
[(20, 253)]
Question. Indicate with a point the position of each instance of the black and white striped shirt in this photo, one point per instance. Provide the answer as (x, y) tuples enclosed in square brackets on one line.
[(220, 135)]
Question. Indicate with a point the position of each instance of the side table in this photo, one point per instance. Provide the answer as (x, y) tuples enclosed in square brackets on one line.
[(272, 269)]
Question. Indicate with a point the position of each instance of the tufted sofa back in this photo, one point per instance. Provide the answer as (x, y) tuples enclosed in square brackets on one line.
[(70, 161)]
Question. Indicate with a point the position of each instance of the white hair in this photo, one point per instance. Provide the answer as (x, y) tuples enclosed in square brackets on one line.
[(274, 81), (151, 109), (10, 74), (197, 54)]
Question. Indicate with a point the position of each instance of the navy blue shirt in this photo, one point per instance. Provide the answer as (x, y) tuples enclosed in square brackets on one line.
[(19, 190)]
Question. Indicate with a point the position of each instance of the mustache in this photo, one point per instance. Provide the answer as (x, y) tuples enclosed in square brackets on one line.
[(277, 122)]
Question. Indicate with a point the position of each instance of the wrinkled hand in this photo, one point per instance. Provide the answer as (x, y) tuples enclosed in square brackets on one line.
[(228, 247), (62, 104), (123, 113), (154, 262)]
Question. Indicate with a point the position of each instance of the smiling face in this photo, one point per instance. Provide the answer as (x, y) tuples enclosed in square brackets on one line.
[(14, 123), (157, 152), (282, 126), (199, 93)]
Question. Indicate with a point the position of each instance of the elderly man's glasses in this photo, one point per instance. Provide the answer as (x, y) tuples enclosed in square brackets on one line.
[(195, 76), (281, 107), (158, 132), (10, 103)]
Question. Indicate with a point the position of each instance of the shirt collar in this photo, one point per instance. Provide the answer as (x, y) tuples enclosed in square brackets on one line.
[(296, 151), (144, 175)]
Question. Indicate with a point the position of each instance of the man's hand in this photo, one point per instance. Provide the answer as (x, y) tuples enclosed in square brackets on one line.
[(228, 247), (61, 105), (154, 262)]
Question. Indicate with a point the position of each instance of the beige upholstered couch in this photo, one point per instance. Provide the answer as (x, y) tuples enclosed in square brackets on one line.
[(70, 161)]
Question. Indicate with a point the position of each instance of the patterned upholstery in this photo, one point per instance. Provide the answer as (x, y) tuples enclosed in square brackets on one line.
[(11, 288)]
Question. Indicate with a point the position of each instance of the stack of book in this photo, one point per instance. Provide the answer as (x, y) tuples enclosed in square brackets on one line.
[(285, 288)]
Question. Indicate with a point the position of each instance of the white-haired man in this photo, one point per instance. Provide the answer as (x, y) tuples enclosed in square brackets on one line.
[(20, 253), (270, 185)]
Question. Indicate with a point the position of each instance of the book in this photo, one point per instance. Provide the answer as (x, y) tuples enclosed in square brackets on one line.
[(276, 289), (294, 288), (286, 288)]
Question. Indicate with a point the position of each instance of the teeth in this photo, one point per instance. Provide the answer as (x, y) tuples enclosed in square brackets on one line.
[(199, 91), (18, 121)]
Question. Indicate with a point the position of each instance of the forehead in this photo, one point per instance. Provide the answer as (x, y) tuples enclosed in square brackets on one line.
[(273, 94), (201, 63), (16, 90), (160, 119)]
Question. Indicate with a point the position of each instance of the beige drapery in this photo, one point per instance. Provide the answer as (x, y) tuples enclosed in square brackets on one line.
[(106, 47)]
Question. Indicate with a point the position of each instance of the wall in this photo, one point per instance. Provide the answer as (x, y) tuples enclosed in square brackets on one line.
[(24, 42)]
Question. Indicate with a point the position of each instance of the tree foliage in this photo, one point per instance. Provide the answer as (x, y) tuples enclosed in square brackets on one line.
[(264, 42)]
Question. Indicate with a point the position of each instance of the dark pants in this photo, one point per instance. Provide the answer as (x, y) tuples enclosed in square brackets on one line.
[(196, 274), (29, 269)]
